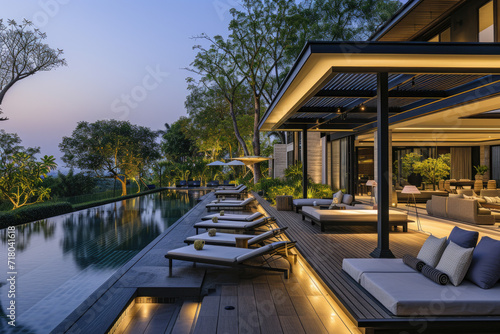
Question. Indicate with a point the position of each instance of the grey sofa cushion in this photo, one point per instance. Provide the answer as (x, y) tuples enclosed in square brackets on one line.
[(338, 195), (356, 268), (347, 199), (431, 250), (455, 262), (413, 294)]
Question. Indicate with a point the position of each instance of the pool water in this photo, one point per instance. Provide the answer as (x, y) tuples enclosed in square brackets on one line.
[(60, 261)]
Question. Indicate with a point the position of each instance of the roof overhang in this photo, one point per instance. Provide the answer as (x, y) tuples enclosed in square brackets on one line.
[(331, 81), (413, 18)]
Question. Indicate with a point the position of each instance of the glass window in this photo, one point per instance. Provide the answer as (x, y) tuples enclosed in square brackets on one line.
[(435, 38), (445, 36), (486, 26)]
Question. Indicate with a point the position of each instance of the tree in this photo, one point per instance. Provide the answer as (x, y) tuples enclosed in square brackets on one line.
[(211, 125), (343, 20), (220, 74), (21, 179), (176, 145), (111, 149), (433, 170), (23, 53), (70, 184)]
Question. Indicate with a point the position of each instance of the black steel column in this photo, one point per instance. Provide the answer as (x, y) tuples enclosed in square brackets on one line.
[(351, 173), (383, 182), (304, 163)]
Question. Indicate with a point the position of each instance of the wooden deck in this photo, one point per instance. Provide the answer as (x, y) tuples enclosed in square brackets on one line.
[(324, 252), (141, 298)]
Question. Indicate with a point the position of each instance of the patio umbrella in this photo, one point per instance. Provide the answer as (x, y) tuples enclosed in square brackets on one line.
[(235, 163), (250, 160), (217, 163)]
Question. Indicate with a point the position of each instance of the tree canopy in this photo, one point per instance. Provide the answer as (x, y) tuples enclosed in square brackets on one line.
[(264, 40), (21, 175), (23, 53), (111, 149)]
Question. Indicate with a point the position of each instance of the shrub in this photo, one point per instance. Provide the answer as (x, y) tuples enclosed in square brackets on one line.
[(33, 212)]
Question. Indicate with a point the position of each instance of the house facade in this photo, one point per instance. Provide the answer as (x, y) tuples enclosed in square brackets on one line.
[(432, 110)]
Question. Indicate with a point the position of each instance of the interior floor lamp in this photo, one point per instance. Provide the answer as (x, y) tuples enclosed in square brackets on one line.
[(413, 190), (372, 183)]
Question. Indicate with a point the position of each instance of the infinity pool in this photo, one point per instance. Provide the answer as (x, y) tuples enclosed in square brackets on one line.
[(60, 261)]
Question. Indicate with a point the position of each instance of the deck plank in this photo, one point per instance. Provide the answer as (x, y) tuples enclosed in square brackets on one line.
[(325, 251)]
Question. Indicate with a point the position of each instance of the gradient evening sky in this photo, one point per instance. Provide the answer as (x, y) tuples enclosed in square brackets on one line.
[(111, 48)]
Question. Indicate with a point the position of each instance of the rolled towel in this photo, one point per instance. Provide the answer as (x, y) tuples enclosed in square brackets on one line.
[(435, 275), (413, 262)]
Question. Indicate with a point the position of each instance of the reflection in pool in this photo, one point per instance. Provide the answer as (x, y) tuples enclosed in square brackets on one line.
[(62, 260)]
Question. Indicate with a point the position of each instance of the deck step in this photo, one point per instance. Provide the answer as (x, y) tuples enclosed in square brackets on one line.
[(186, 319)]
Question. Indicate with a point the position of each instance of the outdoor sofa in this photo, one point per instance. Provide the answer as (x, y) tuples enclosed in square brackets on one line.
[(459, 208), (229, 239), (405, 291), (345, 200), (326, 218), (234, 257)]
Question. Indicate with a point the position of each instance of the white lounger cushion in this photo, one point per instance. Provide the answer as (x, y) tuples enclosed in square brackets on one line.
[(229, 239), (232, 203), (352, 215), (357, 267), (222, 254), (210, 253), (227, 224), (413, 294), (237, 217)]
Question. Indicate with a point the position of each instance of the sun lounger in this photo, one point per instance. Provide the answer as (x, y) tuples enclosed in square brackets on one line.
[(232, 192), (232, 256), (234, 225), (230, 187), (237, 217), (229, 239), (230, 205)]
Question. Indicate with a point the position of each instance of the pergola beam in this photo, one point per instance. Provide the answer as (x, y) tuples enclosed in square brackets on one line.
[(369, 94)]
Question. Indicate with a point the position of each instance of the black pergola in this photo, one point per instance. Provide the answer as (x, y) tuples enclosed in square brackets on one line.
[(348, 88)]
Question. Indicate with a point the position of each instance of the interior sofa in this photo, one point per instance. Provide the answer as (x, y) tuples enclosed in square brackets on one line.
[(352, 217), (423, 197), (458, 208)]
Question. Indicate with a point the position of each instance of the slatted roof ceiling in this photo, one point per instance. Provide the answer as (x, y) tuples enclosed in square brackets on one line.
[(332, 90), (331, 109), (413, 18)]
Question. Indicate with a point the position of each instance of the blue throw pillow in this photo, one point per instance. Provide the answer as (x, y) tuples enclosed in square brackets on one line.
[(484, 270), (463, 238)]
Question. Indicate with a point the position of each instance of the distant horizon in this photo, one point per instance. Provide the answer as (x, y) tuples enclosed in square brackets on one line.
[(125, 61)]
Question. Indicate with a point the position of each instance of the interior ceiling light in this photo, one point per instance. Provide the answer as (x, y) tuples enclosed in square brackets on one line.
[(362, 107)]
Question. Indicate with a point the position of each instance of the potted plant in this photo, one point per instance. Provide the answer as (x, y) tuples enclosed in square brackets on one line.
[(480, 171)]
